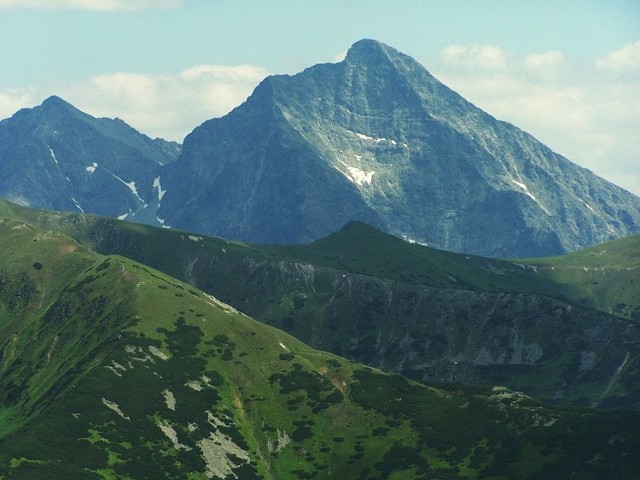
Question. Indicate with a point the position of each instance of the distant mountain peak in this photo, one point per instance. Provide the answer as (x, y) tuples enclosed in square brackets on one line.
[(366, 47), (57, 157), (55, 103), (55, 100), (375, 54)]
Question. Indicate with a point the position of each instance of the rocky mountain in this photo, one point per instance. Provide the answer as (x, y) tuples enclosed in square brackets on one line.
[(564, 329), (54, 156), (110, 369), (376, 138)]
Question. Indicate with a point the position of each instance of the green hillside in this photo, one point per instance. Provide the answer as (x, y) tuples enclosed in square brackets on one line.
[(110, 369), (605, 277), (434, 316)]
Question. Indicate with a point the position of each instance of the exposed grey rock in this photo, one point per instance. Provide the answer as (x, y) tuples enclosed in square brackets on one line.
[(56, 157), (376, 138), (541, 345)]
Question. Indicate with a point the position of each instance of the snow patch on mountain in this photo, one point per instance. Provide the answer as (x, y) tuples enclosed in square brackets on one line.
[(532, 196), (366, 137), (377, 140), (131, 186), (161, 221), (525, 188), (156, 185), (75, 202), (357, 176), (53, 155), (587, 205)]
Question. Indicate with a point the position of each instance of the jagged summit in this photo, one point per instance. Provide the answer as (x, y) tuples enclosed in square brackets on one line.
[(54, 106), (55, 109), (378, 53)]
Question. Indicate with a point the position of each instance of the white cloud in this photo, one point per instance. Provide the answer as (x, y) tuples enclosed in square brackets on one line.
[(12, 100), (94, 5), (623, 60), (168, 105), (580, 111), (339, 57), (545, 65), (485, 57)]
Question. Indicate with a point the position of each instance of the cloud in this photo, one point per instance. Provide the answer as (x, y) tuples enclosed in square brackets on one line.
[(166, 105), (12, 100), (94, 5), (578, 110), (623, 60), (545, 65), (484, 57)]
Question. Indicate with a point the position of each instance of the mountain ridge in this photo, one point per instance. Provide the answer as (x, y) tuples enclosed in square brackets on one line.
[(58, 157), (376, 138)]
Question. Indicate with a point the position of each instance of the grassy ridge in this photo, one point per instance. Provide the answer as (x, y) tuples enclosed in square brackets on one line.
[(151, 378), (602, 277), (605, 277)]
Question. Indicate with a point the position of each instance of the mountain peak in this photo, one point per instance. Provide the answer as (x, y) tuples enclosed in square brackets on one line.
[(56, 102), (368, 49), (367, 44), (376, 57), (377, 138), (55, 106)]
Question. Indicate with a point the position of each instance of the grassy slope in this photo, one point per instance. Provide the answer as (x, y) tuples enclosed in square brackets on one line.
[(235, 272), (113, 370), (605, 277)]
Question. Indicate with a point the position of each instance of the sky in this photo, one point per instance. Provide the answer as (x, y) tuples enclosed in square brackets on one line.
[(568, 72)]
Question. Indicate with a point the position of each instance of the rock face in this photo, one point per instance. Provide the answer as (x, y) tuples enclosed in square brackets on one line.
[(376, 138), (56, 157), (439, 335)]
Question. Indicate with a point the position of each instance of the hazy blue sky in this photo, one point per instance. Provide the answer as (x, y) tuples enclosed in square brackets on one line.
[(566, 71)]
